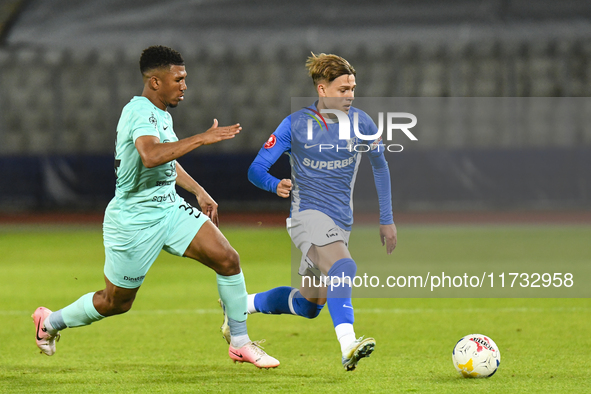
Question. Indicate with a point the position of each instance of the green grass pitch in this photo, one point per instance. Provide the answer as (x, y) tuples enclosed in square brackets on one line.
[(170, 341)]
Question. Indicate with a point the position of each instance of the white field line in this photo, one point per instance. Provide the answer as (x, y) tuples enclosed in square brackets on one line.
[(394, 311)]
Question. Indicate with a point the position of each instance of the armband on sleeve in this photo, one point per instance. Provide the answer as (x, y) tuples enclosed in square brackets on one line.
[(278, 143)]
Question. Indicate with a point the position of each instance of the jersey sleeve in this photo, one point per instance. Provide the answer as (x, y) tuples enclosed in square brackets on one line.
[(278, 143), (381, 176), (143, 122), (381, 172)]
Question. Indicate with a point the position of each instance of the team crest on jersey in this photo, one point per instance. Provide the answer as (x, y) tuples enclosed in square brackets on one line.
[(270, 142), (153, 120)]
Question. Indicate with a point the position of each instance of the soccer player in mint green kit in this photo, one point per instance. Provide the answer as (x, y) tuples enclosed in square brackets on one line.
[(147, 215)]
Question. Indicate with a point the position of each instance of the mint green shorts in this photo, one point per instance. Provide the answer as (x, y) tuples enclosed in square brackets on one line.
[(129, 254)]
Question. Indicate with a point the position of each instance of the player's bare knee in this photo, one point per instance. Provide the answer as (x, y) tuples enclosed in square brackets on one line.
[(230, 264)]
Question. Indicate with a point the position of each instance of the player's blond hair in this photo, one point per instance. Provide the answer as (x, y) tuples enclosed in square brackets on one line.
[(327, 68)]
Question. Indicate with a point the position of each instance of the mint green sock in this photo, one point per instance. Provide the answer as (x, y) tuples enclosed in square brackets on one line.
[(81, 313), (233, 294)]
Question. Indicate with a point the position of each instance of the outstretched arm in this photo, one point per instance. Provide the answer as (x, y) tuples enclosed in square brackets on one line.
[(206, 203), (154, 153)]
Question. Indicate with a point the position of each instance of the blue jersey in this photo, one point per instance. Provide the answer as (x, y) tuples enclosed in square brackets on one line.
[(324, 167)]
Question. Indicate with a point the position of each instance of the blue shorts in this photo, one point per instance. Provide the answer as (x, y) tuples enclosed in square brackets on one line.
[(129, 254)]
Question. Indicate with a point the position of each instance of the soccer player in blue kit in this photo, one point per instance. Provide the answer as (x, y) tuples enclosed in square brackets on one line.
[(323, 175), (147, 215)]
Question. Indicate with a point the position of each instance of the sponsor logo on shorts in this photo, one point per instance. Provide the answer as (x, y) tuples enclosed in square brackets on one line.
[(333, 232), (139, 278)]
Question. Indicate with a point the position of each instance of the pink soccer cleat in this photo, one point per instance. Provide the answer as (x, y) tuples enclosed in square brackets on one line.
[(45, 341), (253, 353)]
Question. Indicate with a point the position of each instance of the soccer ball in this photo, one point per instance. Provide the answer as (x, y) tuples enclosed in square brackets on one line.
[(476, 356)]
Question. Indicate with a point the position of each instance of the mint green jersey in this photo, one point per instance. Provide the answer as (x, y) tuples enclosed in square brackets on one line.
[(143, 196)]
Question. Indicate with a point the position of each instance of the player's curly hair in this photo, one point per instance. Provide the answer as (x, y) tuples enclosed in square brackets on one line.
[(158, 56), (327, 68)]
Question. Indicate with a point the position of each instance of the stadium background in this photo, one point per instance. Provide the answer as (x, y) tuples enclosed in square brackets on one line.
[(67, 69)]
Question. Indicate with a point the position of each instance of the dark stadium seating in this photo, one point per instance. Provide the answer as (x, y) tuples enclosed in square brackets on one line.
[(69, 102)]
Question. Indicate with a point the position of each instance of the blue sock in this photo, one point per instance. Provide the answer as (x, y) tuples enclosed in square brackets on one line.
[(274, 301), (339, 295), (285, 300), (303, 307)]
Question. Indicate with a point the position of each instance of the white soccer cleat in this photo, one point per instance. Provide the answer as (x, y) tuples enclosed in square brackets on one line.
[(45, 341), (359, 349), (253, 353), (225, 326)]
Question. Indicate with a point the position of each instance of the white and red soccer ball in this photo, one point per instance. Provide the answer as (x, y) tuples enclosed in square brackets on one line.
[(476, 356)]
